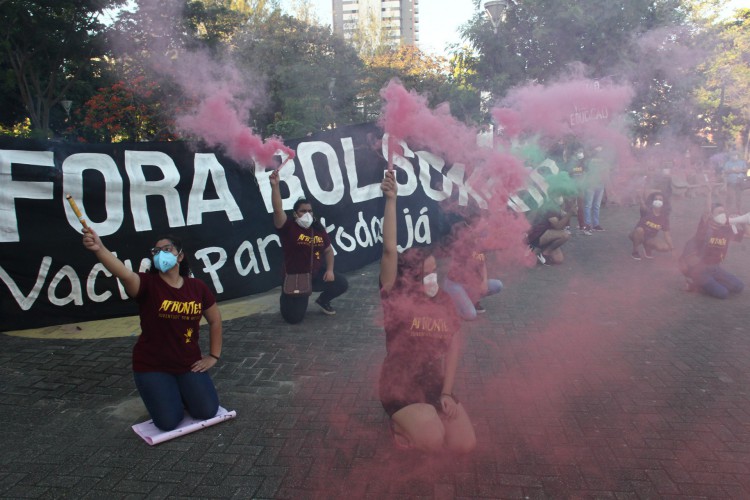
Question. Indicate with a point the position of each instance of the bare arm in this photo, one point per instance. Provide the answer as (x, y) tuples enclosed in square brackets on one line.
[(213, 318), (328, 276), (129, 279), (559, 223), (389, 261), (451, 364), (279, 216)]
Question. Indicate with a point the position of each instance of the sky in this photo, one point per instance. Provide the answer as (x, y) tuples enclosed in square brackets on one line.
[(438, 21)]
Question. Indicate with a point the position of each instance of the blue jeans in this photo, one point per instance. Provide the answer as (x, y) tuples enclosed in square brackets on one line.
[(167, 396), (592, 204), (461, 299), (716, 282)]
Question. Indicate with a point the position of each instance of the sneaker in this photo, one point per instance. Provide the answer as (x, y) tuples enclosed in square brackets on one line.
[(479, 308), (326, 307), (636, 255), (598, 228), (647, 253), (541, 259), (587, 231)]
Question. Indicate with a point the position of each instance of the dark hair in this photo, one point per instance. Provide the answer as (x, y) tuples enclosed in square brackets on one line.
[(184, 263), (714, 206), (300, 201), (316, 223), (411, 265)]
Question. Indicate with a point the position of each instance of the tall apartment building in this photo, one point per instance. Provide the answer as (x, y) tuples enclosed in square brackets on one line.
[(398, 19)]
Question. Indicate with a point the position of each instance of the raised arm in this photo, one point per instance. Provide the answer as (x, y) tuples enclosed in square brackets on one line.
[(389, 261), (279, 216), (129, 279)]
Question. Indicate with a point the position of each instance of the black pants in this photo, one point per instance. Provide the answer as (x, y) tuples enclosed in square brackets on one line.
[(293, 308)]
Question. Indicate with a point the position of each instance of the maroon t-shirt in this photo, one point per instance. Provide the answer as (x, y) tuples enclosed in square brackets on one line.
[(652, 223), (170, 324), (296, 241), (716, 243), (418, 333)]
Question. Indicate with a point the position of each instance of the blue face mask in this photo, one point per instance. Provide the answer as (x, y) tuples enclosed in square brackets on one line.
[(164, 261)]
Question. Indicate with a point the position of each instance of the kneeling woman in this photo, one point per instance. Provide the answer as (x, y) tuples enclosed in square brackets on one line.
[(654, 218), (170, 372), (422, 344)]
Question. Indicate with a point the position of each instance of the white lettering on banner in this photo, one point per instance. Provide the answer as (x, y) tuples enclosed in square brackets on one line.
[(75, 295), (401, 162), (263, 244), (210, 268), (579, 116), (13, 190), (426, 161), (25, 302), (206, 165), (413, 230), (91, 281), (457, 174), (417, 232), (305, 152), (286, 175), (362, 233), (165, 188), (73, 168), (538, 191), (358, 194), (252, 265)]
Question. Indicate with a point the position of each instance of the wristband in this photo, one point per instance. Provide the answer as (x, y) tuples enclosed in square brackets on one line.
[(215, 357)]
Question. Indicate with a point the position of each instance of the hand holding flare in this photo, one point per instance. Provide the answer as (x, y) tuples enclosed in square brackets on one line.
[(77, 211)]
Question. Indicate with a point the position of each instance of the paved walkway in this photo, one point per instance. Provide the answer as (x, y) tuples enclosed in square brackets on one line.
[(595, 379)]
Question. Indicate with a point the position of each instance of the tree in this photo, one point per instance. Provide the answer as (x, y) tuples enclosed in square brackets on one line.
[(539, 39), (415, 69), (48, 45), (634, 41), (726, 92), (127, 111), (311, 75)]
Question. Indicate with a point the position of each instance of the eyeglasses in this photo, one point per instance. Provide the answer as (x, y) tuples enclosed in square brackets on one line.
[(165, 248)]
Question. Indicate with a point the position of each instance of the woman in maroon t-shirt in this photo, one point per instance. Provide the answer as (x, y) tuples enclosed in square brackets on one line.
[(423, 347), (654, 219), (305, 244), (169, 370)]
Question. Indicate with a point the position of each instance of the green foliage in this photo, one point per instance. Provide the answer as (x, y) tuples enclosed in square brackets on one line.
[(312, 76), (725, 94), (48, 46)]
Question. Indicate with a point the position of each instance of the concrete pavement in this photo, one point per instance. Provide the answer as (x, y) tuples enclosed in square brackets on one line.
[(598, 378)]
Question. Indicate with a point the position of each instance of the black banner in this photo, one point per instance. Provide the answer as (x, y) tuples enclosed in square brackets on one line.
[(132, 193)]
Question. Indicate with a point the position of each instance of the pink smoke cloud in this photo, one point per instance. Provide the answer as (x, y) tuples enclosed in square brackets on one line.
[(577, 107), (218, 122), (216, 94)]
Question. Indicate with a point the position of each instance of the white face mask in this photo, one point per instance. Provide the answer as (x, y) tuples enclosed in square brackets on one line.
[(579, 156), (430, 283), (657, 204), (720, 219), (305, 221)]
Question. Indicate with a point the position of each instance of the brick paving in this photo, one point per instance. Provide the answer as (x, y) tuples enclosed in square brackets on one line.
[(598, 378)]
